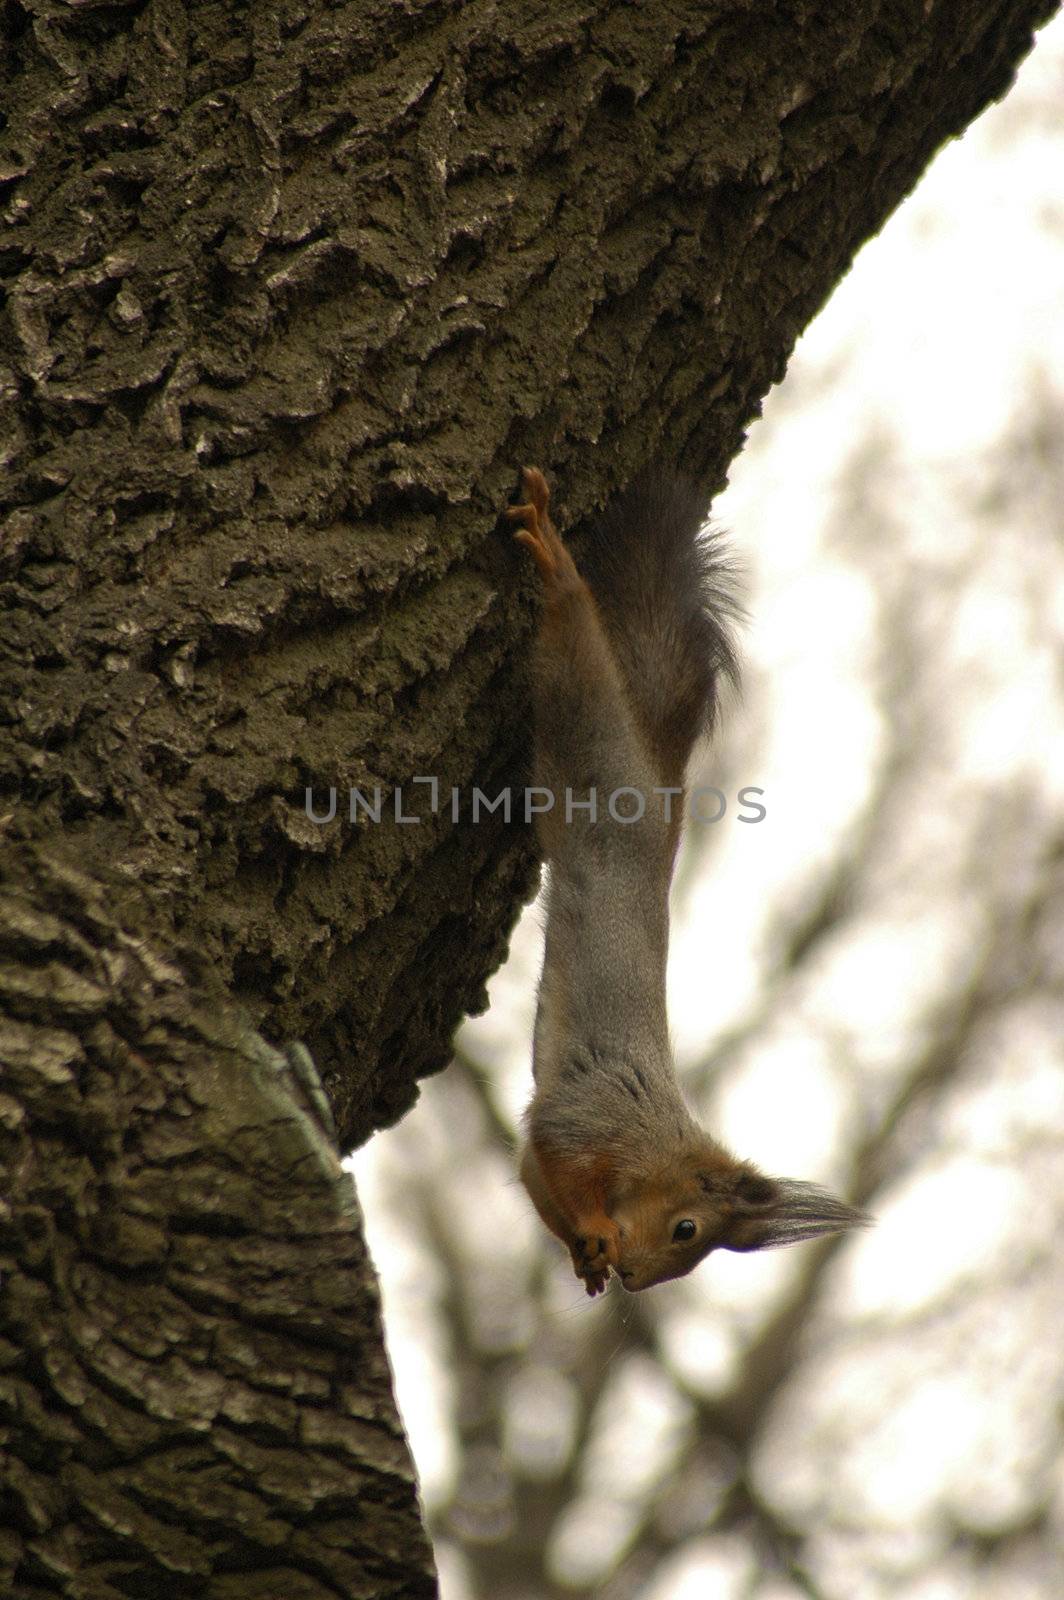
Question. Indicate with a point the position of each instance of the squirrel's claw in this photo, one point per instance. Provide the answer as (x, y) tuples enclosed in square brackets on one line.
[(539, 535), (531, 537), (535, 531), (535, 486)]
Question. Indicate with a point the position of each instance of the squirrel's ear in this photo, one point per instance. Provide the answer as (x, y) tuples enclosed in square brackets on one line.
[(766, 1212)]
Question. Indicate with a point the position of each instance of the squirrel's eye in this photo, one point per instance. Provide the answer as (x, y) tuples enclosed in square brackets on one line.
[(684, 1230)]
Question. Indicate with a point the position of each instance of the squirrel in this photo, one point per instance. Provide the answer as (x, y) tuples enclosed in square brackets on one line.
[(627, 665)]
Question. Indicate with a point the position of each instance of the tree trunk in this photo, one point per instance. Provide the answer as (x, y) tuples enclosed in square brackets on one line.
[(195, 1398), (292, 291)]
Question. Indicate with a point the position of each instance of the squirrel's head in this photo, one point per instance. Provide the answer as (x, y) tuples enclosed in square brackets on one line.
[(718, 1204)]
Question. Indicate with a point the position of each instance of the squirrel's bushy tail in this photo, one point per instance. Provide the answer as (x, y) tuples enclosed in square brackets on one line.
[(667, 594)]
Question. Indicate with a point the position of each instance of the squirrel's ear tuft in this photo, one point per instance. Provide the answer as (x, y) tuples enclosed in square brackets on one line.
[(768, 1212), (754, 1189)]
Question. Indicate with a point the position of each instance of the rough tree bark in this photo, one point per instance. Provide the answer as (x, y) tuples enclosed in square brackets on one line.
[(194, 1395), (292, 289)]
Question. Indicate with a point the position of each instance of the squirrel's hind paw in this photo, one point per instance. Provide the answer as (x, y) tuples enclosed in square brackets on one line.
[(539, 534)]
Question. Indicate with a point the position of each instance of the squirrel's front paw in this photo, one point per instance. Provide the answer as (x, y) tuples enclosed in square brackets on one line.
[(594, 1252)]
